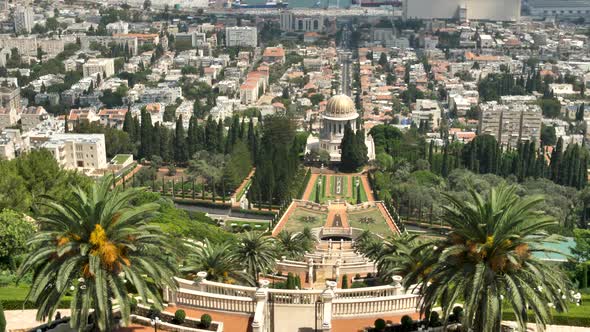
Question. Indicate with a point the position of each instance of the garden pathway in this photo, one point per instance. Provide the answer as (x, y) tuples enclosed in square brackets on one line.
[(234, 196), (310, 184), (333, 210), (367, 186)]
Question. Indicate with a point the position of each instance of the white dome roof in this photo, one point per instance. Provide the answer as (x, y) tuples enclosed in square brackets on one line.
[(340, 106)]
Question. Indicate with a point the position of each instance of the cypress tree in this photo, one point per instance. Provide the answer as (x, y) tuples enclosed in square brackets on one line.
[(219, 136), (129, 126), (345, 281), (445, 162), (555, 161), (146, 134), (430, 148), (180, 150), (156, 141)]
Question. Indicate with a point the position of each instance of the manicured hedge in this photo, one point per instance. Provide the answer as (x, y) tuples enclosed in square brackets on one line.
[(202, 203), (18, 304), (557, 319)]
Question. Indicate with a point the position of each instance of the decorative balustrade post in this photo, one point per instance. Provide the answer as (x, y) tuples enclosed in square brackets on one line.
[(337, 268), (201, 278), (261, 297), (170, 296), (310, 271), (341, 244), (397, 284), (327, 297)]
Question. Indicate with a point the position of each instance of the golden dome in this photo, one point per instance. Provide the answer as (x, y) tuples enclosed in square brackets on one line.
[(340, 106)]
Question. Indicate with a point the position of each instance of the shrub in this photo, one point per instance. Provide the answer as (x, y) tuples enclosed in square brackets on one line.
[(344, 281), (358, 284), (2, 319), (369, 275), (379, 324), (205, 321), (407, 323), (171, 170), (357, 276), (132, 304), (179, 316)]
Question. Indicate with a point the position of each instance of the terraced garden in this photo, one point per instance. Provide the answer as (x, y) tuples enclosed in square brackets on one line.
[(331, 187), (369, 219), (302, 218)]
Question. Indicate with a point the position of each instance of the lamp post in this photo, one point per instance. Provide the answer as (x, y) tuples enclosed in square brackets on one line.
[(155, 323)]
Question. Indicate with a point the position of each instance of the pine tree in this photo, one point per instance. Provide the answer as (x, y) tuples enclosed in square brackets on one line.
[(180, 150)]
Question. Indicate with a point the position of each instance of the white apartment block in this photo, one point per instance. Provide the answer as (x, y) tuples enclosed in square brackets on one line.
[(510, 123), (241, 36), (85, 152), (119, 27), (290, 22), (101, 66), (495, 10), (23, 19), (8, 117), (427, 110)]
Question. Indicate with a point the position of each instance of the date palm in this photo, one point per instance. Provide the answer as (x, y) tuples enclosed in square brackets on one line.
[(216, 260), (292, 245), (256, 253), (487, 261), (92, 245)]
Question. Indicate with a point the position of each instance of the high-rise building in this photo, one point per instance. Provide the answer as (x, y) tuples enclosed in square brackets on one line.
[(241, 36), (511, 123), (497, 10), (23, 19)]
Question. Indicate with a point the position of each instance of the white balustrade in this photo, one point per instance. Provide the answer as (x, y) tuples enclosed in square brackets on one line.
[(375, 305), (200, 299)]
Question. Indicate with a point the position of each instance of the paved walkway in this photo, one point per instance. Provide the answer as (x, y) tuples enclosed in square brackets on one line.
[(367, 187), (234, 196), (233, 322), (25, 319), (284, 219), (309, 189), (387, 218), (333, 210), (355, 324), (129, 177)]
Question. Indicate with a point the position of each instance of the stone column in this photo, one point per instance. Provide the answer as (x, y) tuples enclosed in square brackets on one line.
[(341, 244), (397, 284), (310, 271), (201, 279), (337, 268), (327, 297), (261, 296)]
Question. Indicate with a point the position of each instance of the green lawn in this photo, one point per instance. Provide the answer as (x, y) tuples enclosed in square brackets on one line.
[(352, 199), (379, 225), (296, 221), (121, 158), (322, 187), (14, 292), (575, 316)]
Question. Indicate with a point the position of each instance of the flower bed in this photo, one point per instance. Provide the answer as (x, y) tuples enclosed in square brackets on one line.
[(168, 323)]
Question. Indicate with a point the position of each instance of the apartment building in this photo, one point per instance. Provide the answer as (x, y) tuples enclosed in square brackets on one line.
[(10, 97), (85, 152), (427, 110), (33, 116), (241, 36), (112, 117), (510, 123), (8, 117), (100, 66), (23, 19)]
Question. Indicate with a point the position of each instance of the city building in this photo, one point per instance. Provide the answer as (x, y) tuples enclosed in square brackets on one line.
[(274, 55), (10, 97), (340, 111), (102, 66), (560, 8), (23, 19), (119, 27), (492, 10), (32, 116), (112, 117), (12, 144), (8, 117), (85, 152), (241, 36), (427, 111), (289, 22), (510, 123)]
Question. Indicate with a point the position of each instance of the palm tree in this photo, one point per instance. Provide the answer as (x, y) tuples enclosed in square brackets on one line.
[(292, 245), (216, 260), (92, 245), (487, 256), (400, 255), (256, 253)]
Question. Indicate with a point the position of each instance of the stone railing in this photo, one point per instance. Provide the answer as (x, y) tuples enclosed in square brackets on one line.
[(374, 305), (335, 231), (254, 301)]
